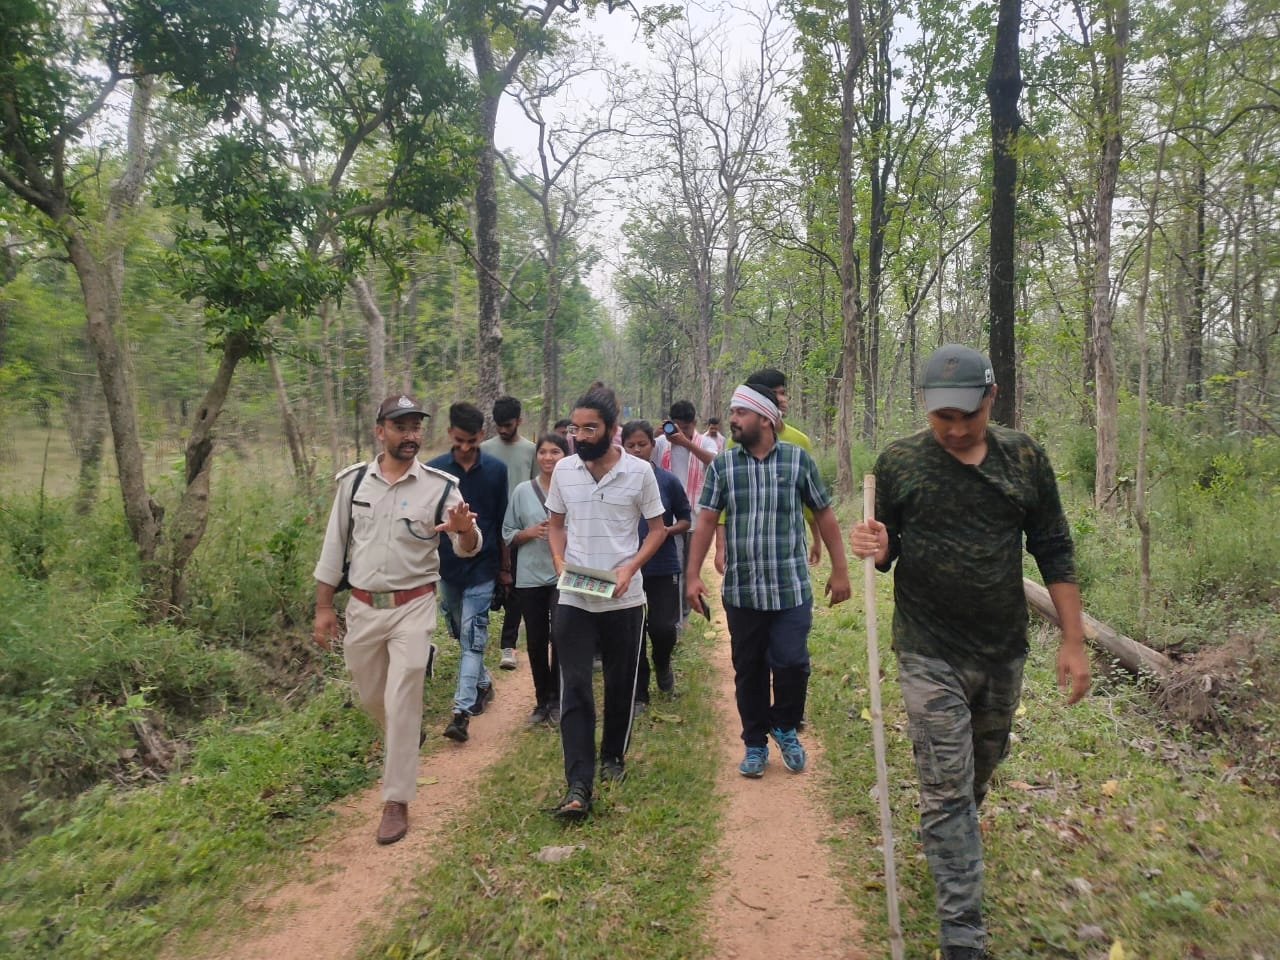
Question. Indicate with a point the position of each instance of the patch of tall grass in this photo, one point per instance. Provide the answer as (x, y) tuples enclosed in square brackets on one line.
[(127, 868), (82, 672), (1215, 551)]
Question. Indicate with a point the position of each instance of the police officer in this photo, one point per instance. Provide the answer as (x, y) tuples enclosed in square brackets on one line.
[(384, 534)]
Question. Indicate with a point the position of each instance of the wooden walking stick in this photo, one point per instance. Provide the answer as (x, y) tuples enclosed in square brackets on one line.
[(877, 726)]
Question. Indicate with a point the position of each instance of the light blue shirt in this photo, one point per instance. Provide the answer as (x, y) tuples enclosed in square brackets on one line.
[(534, 566)]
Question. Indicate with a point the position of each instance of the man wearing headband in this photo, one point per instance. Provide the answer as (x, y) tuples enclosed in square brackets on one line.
[(953, 504), (776, 381), (762, 486)]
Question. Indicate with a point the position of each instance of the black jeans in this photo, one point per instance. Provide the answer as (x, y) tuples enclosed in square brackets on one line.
[(537, 605), (764, 639), (511, 619), (577, 635), (662, 620)]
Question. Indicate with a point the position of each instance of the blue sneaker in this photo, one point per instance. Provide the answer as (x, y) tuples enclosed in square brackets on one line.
[(789, 746), (753, 763)]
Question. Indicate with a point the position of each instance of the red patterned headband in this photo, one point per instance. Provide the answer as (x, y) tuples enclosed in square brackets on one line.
[(748, 399)]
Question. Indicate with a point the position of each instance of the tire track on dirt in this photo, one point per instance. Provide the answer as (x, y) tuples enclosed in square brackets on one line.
[(351, 886), (776, 892)]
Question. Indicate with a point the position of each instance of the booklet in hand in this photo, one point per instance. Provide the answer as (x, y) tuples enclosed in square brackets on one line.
[(588, 581)]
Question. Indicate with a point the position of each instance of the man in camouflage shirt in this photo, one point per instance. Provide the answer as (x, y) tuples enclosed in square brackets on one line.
[(953, 504)]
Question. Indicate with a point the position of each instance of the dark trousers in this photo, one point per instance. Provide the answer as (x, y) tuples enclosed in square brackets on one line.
[(577, 635), (762, 639), (661, 623), (511, 620), (536, 607)]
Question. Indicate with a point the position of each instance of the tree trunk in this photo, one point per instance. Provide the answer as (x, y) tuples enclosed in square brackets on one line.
[(375, 325), (729, 339), (1129, 653), (104, 311), (488, 248), (706, 325), (1108, 453), (879, 164), (549, 358), (292, 432), (188, 523), (1193, 320), (100, 269), (1140, 514), (850, 314), (332, 402), (89, 451), (1004, 86)]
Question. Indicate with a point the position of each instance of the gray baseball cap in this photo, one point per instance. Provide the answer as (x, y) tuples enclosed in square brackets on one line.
[(956, 378)]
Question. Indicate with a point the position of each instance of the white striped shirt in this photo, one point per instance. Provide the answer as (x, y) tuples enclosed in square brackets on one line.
[(601, 520)]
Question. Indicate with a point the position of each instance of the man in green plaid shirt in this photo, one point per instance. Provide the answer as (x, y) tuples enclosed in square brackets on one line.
[(763, 486)]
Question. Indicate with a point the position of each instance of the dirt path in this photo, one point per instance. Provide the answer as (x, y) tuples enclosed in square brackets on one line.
[(777, 893), (352, 885), (776, 888)]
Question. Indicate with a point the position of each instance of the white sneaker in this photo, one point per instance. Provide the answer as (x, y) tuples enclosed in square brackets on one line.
[(508, 658)]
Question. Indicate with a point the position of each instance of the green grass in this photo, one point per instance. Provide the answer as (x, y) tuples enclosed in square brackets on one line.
[(636, 888), (1177, 857), (129, 867)]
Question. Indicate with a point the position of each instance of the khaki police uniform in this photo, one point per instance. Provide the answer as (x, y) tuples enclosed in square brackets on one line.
[(394, 548)]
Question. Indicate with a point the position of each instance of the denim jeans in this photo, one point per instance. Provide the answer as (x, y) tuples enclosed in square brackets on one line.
[(467, 610)]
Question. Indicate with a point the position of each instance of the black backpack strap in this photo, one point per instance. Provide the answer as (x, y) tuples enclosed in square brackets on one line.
[(448, 489), (351, 505)]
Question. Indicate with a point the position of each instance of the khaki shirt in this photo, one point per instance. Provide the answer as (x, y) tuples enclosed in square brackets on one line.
[(394, 544)]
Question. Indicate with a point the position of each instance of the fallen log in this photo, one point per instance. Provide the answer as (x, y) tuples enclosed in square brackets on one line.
[(1129, 653)]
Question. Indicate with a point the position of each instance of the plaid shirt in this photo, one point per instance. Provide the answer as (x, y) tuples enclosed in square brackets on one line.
[(763, 501)]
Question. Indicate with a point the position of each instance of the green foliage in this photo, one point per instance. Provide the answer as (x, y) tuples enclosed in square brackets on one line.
[(253, 573), (218, 53), (1211, 501), (79, 666), (126, 868), (27, 527), (247, 259)]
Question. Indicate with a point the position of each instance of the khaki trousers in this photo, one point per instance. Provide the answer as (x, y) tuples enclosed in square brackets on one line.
[(386, 653)]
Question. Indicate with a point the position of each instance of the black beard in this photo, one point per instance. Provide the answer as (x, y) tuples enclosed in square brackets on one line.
[(592, 451)]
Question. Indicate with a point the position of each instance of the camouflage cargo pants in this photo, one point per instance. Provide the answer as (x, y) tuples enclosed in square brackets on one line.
[(959, 720)]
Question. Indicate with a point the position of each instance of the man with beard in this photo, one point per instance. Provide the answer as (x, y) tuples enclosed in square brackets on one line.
[(384, 537), (762, 487), (776, 382), (516, 453), (466, 583), (597, 498)]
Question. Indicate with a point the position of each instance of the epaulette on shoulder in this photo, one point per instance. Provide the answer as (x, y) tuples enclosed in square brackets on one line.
[(351, 469), (441, 474)]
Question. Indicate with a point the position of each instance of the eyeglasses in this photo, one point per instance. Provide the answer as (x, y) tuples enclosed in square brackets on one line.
[(588, 431), (406, 427)]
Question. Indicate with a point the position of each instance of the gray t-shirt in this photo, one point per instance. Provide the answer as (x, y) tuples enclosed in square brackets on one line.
[(518, 458)]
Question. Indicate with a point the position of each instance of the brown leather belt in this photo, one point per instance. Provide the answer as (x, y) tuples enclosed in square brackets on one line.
[(396, 598)]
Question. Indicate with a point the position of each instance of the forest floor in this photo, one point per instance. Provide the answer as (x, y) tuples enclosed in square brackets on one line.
[(775, 839)]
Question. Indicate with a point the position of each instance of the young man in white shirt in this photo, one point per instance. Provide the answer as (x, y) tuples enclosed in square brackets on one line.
[(597, 498)]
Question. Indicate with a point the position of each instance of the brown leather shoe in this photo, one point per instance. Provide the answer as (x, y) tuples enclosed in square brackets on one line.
[(395, 822)]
